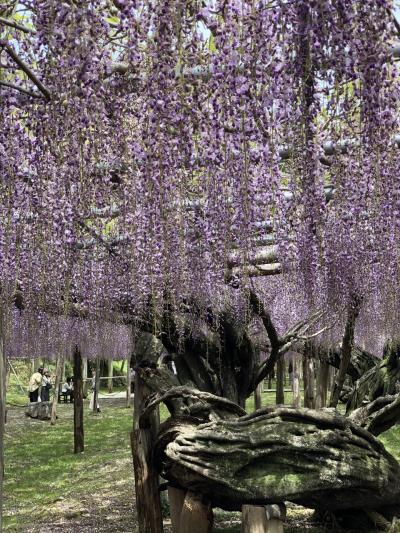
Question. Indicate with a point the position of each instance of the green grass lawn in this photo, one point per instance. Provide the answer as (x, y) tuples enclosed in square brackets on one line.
[(45, 483), (45, 479)]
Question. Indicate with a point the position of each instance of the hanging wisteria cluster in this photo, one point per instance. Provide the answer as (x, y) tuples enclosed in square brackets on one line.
[(170, 145)]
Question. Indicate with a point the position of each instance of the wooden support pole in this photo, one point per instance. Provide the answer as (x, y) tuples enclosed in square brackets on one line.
[(59, 370), (280, 381), (128, 385), (148, 503), (96, 387), (254, 519), (78, 403), (85, 377), (322, 385), (276, 515), (176, 498), (309, 379), (258, 396), (263, 519), (110, 376), (2, 414), (296, 382), (196, 516)]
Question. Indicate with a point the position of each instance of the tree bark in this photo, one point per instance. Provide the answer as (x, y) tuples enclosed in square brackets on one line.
[(280, 381), (196, 515), (110, 375), (59, 370), (2, 413), (148, 502), (318, 459), (382, 380), (78, 403), (347, 345)]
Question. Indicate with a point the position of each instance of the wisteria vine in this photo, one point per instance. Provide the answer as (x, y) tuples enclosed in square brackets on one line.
[(178, 135)]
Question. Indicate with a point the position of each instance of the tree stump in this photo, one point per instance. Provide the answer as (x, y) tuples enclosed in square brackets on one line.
[(196, 516)]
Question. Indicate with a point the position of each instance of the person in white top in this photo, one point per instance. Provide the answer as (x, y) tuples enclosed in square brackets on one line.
[(68, 389)]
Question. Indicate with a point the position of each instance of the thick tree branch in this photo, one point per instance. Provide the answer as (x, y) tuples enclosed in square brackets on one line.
[(280, 345), (347, 346), (216, 402)]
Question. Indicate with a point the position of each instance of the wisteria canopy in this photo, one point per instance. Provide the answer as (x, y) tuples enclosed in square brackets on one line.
[(154, 151)]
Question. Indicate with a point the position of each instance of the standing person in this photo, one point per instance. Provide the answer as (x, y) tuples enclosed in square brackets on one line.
[(93, 393), (35, 384), (46, 386)]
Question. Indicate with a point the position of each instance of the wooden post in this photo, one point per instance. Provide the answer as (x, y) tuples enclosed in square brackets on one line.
[(85, 377), (59, 370), (96, 386), (128, 385), (148, 503), (78, 403), (196, 516), (2, 413), (176, 498), (276, 514), (322, 385), (309, 379), (259, 388), (63, 376), (254, 519), (258, 396), (280, 380), (296, 382), (110, 376)]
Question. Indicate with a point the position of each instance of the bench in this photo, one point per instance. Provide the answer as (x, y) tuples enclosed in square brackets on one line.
[(64, 397)]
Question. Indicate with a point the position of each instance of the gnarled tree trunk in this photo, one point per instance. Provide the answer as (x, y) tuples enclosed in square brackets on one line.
[(318, 459)]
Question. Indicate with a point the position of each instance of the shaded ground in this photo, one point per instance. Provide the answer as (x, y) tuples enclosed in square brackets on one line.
[(49, 489)]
